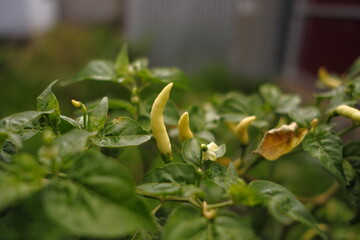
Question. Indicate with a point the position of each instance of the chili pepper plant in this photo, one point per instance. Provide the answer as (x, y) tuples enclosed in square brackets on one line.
[(234, 166)]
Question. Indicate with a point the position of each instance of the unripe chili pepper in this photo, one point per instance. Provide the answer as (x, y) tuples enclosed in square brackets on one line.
[(348, 112), (158, 126), (241, 129), (184, 128), (327, 79)]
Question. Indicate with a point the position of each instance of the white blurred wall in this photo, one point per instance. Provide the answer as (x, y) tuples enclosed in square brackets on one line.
[(21, 18)]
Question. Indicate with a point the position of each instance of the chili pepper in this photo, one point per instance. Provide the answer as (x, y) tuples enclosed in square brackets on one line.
[(241, 129), (348, 112), (327, 79), (158, 126), (184, 128)]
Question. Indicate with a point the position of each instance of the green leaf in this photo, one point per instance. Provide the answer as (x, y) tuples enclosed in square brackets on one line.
[(271, 94), (351, 152), (283, 205), (6, 136), (325, 145), (242, 193), (281, 103), (221, 175), (122, 62), (180, 173), (175, 179), (197, 119), (191, 151), (122, 104), (121, 132), (72, 142), (23, 123), (165, 188), (354, 69), (351, 164), (47, 101), (304, 116), (97, 70), (167, 75), (98, 115), (24, 177), (97, 201), (71, 121), (186, 222)]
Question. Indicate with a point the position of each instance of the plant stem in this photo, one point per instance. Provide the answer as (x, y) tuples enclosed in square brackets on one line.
[(250, 165), (218, 205), (153, 212), (348, 129), (323, 197), (168, 198)]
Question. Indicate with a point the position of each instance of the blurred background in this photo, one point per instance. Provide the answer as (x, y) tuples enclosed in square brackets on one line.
[(220, 45)]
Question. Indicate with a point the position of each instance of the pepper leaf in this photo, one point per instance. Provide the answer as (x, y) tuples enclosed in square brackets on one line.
[(121, 132), (98, 115), (98, 70), (97, 200), (283, 205), (47, 101), (325, 145), (191, 151), (186, 222)]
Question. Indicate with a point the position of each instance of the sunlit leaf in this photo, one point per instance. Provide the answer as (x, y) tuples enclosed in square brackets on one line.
[(47, 101), (98, 115)]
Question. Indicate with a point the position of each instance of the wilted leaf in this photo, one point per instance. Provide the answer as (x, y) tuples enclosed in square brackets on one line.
[(280, 141)]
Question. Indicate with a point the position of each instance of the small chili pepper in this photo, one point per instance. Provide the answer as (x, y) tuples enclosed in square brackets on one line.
[(158, 126), (241, 130), (348, 112), (327, 79), (184, 128)]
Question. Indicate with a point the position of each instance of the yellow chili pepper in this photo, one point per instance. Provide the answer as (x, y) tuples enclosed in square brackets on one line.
[(241, 129), (158, 126), (348, 112), (327, 79), (184, 128)]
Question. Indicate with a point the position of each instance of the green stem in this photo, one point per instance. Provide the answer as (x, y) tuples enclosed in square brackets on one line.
[(153, 212), (348, 129), (210, 231), (168, 198), (219, 205), (250, 165)]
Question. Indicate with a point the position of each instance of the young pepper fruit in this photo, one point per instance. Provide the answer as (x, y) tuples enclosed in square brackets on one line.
[(348, 112), (184, 128), (158, 126)]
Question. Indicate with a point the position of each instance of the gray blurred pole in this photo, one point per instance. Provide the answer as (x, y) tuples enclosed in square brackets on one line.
[(245, 35)]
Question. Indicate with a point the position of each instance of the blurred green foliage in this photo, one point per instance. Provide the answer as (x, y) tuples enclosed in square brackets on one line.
[(27, 66)]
